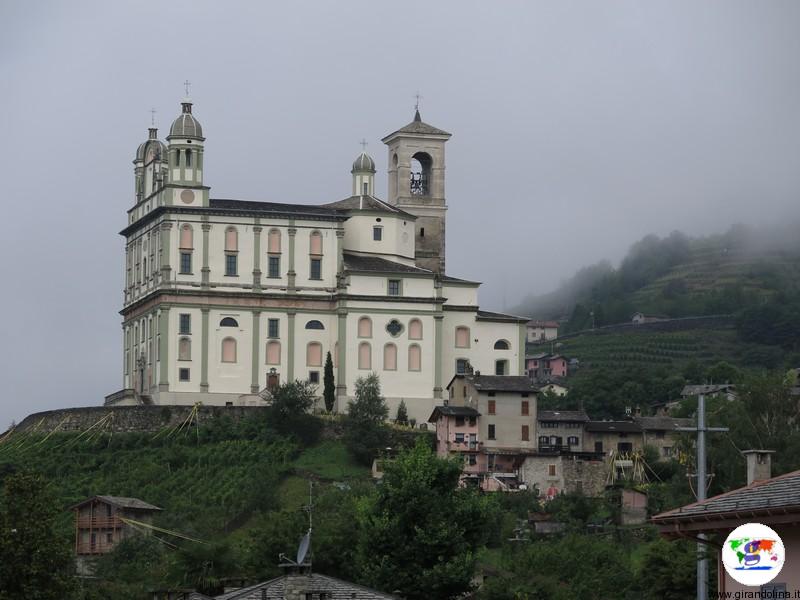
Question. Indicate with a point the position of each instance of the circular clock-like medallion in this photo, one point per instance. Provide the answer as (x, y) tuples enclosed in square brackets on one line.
[(394, 327), (187, 196)]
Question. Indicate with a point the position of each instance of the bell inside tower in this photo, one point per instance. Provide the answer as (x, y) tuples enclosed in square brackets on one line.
[(421, 164)]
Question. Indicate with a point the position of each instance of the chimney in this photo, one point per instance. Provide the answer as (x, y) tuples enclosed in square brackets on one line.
[(759, 464)]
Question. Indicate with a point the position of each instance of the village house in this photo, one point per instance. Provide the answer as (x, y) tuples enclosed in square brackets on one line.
[(556, 386), (101, 522), (773, 501), (543, 367), (541, 331), (617, 437), (639, 318), (726, 389), (661, 432), (561, 431)]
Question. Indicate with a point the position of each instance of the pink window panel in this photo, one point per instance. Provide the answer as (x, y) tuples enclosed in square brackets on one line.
[(186, 237), (415, 329), (314, 354), (274, 242), (364, 356), (414, 358), (229, 350), (365, 327), (231, 240), (274, 353), (390, 357), (316, 243), (462, 337)]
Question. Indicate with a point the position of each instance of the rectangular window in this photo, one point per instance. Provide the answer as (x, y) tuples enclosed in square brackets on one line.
[(492, 407), (185, 324), (313, 377), (473, 460), (231, 268), (186, 263), (183, 374), (274, 267), (273, 328), (551, 470), (377, 233), (526, 433), (459, 438), (459, 422), (394, 287), (491, 432), (316, 268), (461, 366), (598, 446), (525, 407), (572, 440)]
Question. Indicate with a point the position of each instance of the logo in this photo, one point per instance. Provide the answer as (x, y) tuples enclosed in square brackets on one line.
[(753, 554)]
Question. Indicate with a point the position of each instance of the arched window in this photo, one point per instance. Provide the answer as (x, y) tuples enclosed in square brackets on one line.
[(314, 354), (228, 322), (501, 345), (185, 349), (364, 356), (231, 240), (273, 353), (177, 158), (390, 357), (414, 357), (274, 241), (415, 329), (186, 237), (314, 324), (421, 164), (188, 158), (462, 337), (316, 243), (365, 327), (229, 350)]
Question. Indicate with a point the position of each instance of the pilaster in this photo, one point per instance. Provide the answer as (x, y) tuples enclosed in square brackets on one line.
[(521, 352), (205, 270), (163, 350), (437, 343), (166, 270), (256, 257), (204, 351), (341, 358), (254, 384), (290, 315), (292, 274)]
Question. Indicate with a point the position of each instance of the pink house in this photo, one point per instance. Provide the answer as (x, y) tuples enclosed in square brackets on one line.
[(457, 433), (543, 367)]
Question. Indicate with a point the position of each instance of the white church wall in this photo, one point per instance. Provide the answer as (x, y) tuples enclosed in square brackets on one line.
[(397, 235), (461, 295)]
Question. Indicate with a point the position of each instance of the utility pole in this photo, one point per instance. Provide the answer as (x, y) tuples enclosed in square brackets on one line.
[(701, 429)]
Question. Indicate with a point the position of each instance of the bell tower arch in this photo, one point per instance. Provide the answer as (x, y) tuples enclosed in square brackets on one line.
[(416, 184)]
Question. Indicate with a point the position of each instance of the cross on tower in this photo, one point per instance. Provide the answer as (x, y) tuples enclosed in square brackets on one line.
[(418, 98), (186, 85), (363, 143), (153, 117)]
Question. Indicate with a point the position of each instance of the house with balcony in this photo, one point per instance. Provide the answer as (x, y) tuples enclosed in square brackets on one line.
[(661, 432), (613, 437), (544, 367), (561, 430), (101, 522)]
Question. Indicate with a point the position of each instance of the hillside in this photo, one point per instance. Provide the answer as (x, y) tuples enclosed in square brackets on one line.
[(678, 276)]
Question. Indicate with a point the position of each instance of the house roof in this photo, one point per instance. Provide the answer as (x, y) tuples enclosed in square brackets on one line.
[(498, 383), (119, 502), (547, 324), (566, 416), (485, 315), (367, 202), (662, 423), (376, 264), (779, 494), (694, 390), (453, 411), (418, 126), (613, 426), (276, 208), (337, 589)]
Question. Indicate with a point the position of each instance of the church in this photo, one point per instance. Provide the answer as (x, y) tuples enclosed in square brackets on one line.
[(226, 298)]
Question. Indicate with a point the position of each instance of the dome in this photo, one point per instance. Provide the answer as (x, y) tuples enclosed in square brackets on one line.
[(186, 125), (364, 162), (143, 152)]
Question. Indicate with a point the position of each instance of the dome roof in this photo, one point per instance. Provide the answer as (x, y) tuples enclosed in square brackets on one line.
[(158, 147), (364, 162), (186, 125)]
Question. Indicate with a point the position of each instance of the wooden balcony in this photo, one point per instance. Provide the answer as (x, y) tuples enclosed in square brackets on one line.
[(84, 548), (465, 446), (99, 523)]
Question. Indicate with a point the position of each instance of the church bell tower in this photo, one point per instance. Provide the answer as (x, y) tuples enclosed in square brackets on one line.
[(416, 185)]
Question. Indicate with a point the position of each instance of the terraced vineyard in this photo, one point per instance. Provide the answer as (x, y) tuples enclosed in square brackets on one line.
[(670, 349)]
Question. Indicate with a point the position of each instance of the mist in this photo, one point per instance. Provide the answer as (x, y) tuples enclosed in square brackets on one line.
[(578, 128)]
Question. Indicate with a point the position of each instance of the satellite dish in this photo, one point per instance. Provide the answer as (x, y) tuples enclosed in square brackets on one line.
[(303, 549)]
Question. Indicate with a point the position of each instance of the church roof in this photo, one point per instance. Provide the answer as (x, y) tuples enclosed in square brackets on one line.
[(276, 208), (375, 264), (364, 162), (186, 125), (485, 315), (417, 127), (367, 202)]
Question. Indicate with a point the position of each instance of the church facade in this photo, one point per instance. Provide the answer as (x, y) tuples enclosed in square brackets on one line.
[(225, 298)]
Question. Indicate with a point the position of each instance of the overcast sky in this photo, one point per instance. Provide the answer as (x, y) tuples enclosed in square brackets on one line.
[(578, 127)]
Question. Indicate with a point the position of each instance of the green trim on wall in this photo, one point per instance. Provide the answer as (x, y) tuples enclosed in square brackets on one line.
[(329, 311), (341, 359), (163, 350), (204, 352), (256, 345), (290, 346), (165, 252), (205, 272), (523, 329), (257, 255), (291, 273), (437, 344)]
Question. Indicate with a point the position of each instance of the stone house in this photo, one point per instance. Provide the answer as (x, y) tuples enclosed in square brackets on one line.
[(553, 474), (772, 501), (661, 433), (561, 431), (540, 331), (605, 437)]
